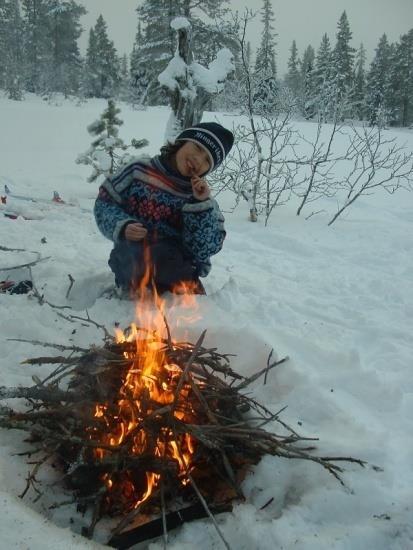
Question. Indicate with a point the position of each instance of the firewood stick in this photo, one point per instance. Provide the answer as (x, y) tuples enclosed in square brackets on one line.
[(258, 374), (163, 506), (187, 367), (50, 395), (200, 496), (60, 347)]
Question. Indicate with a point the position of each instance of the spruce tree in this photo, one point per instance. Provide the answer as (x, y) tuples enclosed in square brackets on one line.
[(3, 41), (158, 45), (359, 89), (377, 82), (323, 63), (124, 80), (343, 57), (402, 96), (308, 83), (293, 79), (390, 109), (325, 82), (12, 57), (65, 30), (102, 64), (265, 73), (36, 44), (139, 74), (107, 152)]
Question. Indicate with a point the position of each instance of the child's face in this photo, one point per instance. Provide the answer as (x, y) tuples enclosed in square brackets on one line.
[(192, 160)]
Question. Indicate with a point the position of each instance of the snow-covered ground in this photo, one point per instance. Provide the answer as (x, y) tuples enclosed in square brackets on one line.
[(338, 300)]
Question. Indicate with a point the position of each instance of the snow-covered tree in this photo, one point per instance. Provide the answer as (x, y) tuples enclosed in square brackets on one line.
[(343, 56), (377, 81), (359, 88), (158, 44), (102, 64), (3, 41), (399, 93), (159, 41), (65, 30), (36, 43), (323, 63), (292, 78), (107, 152), (12, 54), (125, 87), (308, 83), (265, 74), (188, 83), (139, 75)]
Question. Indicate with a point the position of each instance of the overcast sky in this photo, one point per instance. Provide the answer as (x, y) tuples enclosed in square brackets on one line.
[(303, 20)]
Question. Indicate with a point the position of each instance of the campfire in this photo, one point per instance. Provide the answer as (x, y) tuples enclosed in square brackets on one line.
[(150, 430)]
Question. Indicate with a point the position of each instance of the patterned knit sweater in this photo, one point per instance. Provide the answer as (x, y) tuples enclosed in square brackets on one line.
[(150, 192)]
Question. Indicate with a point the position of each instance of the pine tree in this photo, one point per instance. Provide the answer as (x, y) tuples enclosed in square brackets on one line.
[(325, 87), (36, 43), (323, 63), (308, 80), (377, 81), (106, 153), (265, 72), (65, 30), (293, 79), (343, 57), (402, 81), (102, 64), (125, 89), (139, 75), (12, 58), (158, 45), (359, 90), (389, 110), (2, 41), (190, 85)]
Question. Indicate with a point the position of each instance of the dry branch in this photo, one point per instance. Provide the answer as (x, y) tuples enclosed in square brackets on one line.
[(110, 436)]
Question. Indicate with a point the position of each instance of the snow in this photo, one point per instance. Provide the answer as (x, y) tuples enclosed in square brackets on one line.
[(337, 300), (175, 69), (180, 23), (212, 79), (102, 158)]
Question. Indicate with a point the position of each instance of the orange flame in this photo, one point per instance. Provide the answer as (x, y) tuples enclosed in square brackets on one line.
[(151, 381)]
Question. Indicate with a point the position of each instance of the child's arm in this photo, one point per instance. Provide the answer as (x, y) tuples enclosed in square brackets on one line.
[(203, 229), (110, 217)]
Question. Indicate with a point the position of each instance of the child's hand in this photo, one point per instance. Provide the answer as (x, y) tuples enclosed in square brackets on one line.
[(135, 232), (200, 188)]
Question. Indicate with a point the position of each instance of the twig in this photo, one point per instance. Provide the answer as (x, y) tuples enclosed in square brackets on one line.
[(268, 366), (258, 374), (71, 279), (28, 264), (187, 367)]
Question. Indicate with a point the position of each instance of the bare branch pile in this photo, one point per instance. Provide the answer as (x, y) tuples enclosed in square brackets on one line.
[(186, 432)]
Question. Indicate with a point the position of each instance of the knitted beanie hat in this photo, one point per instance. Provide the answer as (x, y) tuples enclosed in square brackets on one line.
[(214, 138)]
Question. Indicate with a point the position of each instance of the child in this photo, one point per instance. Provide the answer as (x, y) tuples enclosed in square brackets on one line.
[(160, 208)]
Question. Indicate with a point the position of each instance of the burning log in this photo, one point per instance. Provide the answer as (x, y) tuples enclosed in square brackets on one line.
[(155, 528), (143, 421)]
